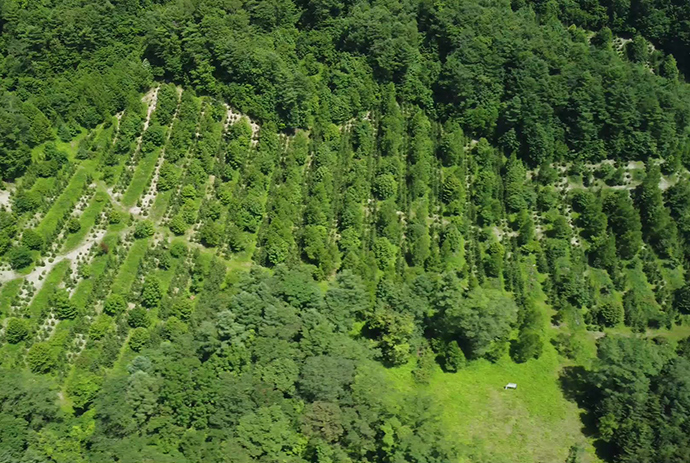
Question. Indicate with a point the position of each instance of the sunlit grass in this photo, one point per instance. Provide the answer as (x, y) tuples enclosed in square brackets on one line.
[(7, 293), (140, 179), (87, 220), (533, 423), (128, 270), (41, 302)]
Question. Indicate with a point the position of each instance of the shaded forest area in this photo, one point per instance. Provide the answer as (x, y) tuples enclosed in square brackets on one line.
[(312, 197)]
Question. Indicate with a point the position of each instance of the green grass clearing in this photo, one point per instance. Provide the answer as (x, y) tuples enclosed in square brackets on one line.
[(87, 220), (84, 288), (534, 423), (128, 270), (160, 205), (67, 200), (41, 301), (140, 178), (7, 293)]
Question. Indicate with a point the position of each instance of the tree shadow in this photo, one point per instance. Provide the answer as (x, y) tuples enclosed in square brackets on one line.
[(573, 381), (576, 387)]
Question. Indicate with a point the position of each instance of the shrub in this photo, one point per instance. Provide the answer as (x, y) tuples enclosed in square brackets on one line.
[(100, 327), (164, 261), (83, 388), (19, 257), (178, 249), (529, 345), (138, 339), (188, 192), (384, 252), (41, 358), (73, 225), (138, 318), (178, 225), (144, 229), (211, 234), (115, 217), (32, 240), (64, 308), (385, 186), (17, 330), (453, 357), (424, 369), (152, 293), (115, 304), (183, 308), (173, 328), (27, 201)]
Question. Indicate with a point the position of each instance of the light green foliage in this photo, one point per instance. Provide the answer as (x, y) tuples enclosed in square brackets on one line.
[(83, 389), (115, 217), (100, 327), (394, 331), (178, 225), (385, 253), (178, 249), (182, 308), (267, 433), (385, 186), (73, 225), (452, 189)]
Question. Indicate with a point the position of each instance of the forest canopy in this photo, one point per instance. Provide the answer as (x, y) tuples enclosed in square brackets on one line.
[(332, 231)]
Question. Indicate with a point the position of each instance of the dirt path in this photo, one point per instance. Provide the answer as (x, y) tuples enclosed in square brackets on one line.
[(34, 276), (118, 118), (151, 98), (665, 183), (234, 116), (150, 195), (5, 199)]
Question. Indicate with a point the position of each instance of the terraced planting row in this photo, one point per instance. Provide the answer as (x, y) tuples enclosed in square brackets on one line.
[(101, 243)]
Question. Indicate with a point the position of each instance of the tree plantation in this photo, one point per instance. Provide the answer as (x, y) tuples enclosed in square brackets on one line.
[(332, 232)]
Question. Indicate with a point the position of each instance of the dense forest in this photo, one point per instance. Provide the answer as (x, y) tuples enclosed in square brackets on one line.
[(332, 231)]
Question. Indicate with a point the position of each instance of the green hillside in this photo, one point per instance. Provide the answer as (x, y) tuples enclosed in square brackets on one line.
[(295, 232)]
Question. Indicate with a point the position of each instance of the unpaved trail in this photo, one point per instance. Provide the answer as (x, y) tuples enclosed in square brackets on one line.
[(209, 187), (665, 183), (118, 117), (150, 195), (186, 161), (34, 276), (5, 199), (234, 116), (151, 98)]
